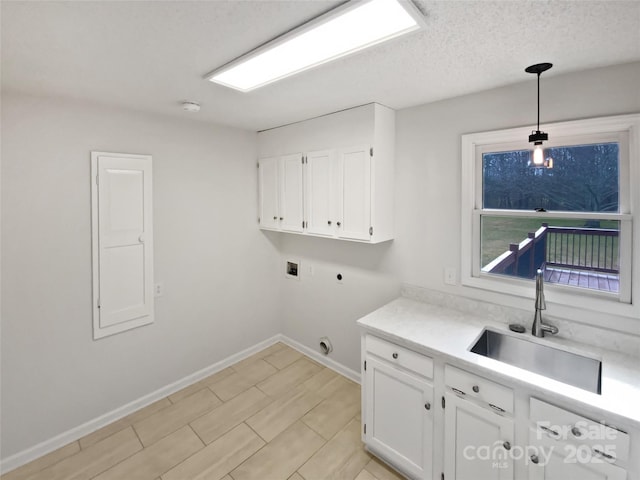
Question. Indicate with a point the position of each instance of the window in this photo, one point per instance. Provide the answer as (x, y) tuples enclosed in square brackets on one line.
[(572, 217)]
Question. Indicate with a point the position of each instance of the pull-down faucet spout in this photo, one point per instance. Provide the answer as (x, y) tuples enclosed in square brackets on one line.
[(539, 328)]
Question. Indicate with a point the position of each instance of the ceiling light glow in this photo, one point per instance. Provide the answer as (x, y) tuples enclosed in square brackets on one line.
[(342, 31)]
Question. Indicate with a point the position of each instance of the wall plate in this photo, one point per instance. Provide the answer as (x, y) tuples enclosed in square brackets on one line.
[(292, 269)]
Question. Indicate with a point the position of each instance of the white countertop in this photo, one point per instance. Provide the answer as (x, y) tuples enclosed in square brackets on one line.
[(436, 330)]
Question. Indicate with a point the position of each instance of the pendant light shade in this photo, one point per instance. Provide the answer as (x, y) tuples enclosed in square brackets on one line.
[(537, 137)]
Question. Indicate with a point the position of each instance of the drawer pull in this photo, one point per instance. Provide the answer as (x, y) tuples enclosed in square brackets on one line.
[(476, 388), (534, 459), (507, 446), (394, 355), (427, 406), (602, 454), (497, 408), (459, 392), (550, 431), (576, 432)]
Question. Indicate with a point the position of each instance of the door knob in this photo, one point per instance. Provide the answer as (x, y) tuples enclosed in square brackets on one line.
[(506, 445), (394, 355), (534, 459), (427, 406), (329, 222), (476, 388), (141, 238), (339, 224)]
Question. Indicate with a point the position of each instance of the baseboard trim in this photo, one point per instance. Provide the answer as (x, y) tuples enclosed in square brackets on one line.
[(323, 359), (48, 446)]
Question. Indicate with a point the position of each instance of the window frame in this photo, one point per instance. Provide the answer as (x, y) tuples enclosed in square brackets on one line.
[(624, 129)]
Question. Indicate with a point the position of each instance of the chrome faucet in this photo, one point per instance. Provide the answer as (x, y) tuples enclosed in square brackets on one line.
[(539, 328)]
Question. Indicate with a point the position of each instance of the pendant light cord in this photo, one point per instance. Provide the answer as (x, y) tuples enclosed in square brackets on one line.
[(538, 101)]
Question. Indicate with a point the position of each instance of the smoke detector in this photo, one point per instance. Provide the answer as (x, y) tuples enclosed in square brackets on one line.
[(191, 106)]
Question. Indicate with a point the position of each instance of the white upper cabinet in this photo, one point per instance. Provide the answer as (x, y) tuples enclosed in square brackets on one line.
[(343, 187), (268, 192), (291, 187), (354, 193), (320, 196)]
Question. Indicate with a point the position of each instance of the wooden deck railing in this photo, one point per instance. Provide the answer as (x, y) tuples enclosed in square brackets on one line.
[(594, 249), (580, 248)]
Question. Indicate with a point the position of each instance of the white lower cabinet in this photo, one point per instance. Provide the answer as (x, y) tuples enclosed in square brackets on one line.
[(477, 441), (431, 420), (553, 460), (563, 444), (399, 418)]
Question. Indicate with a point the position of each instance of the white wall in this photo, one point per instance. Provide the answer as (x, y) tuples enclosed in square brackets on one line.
[(427, 213), (209, 254)]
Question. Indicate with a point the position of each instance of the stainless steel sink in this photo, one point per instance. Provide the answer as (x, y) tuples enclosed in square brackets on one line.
[(570, 368)]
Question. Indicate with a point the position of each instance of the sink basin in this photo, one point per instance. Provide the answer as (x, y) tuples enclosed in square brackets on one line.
[(570, 368)]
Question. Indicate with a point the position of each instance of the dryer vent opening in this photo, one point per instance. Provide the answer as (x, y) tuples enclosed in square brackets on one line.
[(325, 346)]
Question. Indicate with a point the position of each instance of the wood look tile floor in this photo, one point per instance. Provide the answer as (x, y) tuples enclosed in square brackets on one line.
[(276, 415)]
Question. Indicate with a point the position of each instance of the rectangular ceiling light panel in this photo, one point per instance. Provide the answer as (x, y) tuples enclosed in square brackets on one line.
[(345, 30)]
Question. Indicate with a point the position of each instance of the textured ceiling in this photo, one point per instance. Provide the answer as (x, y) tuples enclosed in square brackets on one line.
[(151, 55)]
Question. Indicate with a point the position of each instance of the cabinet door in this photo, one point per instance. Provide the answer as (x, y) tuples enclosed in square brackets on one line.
[(291, 212), (475, 442), (320, 193), (559, 461), (399, 418), (268, 192), (354, 196)]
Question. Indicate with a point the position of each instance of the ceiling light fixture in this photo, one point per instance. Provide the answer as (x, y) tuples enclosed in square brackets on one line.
[(538, 137), (344, 30), (191, 107)]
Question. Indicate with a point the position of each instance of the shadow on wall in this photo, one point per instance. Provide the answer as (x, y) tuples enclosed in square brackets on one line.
[(350, 254)]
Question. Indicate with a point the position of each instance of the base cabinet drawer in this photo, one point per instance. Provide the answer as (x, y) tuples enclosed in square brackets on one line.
[(550, 459), (403, 357)]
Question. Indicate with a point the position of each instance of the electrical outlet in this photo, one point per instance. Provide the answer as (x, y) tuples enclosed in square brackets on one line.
[(450, 276), (158, 290)]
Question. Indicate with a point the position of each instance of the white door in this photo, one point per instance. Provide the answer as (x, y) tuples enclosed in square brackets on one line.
[(268, 191), (354, 196), (549, 459), (122, 242), (320, 192), (399, 417), (291, 212), (478, 442)]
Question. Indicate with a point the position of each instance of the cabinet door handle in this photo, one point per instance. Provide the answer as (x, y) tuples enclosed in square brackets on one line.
[(534, 459), (329, 222), (338, 223), (281, 218), (459, 392), (497, 408), (549, 431), (476, 388), (427, 406), (576, 432), (507, 446), (602, 454), (275, 218), (394, 355)]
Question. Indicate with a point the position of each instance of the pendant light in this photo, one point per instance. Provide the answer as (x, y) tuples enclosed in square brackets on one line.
[(537, 137)]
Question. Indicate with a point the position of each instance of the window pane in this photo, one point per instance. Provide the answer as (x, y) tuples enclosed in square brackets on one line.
[(570, 252), (581, 178)]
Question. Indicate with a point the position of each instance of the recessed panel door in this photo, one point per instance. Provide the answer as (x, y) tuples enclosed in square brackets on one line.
[(354, 180)]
